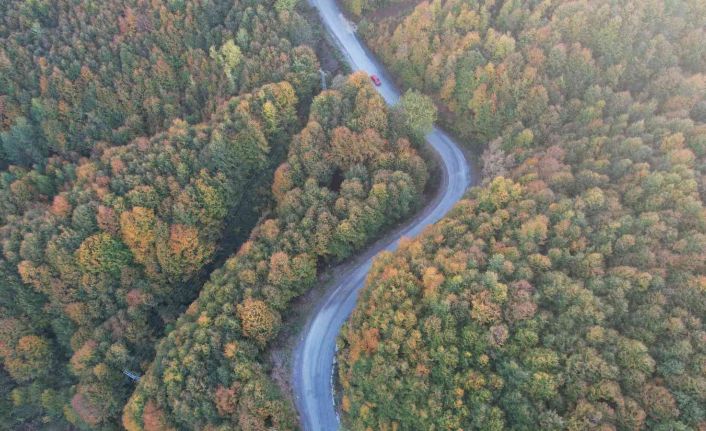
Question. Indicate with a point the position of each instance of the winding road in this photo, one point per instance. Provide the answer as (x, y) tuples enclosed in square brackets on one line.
[(312, 374)]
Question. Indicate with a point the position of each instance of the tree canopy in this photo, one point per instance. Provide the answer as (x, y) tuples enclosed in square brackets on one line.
[(349, 174), (417, 113), (112, 260), (74, 73), (567, 291), (134, 161)]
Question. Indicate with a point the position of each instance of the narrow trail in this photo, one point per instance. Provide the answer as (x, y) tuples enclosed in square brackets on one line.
[(312, 373)]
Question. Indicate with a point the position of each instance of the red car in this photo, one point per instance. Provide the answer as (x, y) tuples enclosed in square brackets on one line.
[(376, 80)]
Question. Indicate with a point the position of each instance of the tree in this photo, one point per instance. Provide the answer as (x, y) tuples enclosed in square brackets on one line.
[(184, 253), (258, 320), (229, 57), (30, 359), (141, 231), (22, 144), (416, 114), (101, 253), (285, 5)]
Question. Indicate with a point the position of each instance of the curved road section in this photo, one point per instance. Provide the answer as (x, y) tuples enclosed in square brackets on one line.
[(314, 356)]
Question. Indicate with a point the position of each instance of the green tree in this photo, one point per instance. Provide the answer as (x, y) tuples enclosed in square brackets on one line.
[(416, 114), (22, 145), (101, 253), (285, 5)]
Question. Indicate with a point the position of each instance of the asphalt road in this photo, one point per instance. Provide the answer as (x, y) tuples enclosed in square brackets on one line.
[(312, 373)]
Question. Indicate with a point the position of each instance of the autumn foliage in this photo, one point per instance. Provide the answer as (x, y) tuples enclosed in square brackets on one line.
[(567, 291), (259, 321), (329, 203), (131, 162), (116, 255), (75, 74)]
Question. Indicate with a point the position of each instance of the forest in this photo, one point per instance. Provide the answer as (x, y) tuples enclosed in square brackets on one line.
[(349, 173), (568, 290), (139, 146), (74, 74), (172, 178)]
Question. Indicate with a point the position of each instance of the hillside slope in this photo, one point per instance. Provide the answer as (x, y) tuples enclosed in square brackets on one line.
[(568, 292)]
